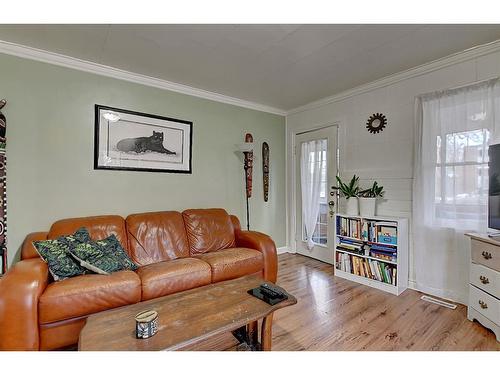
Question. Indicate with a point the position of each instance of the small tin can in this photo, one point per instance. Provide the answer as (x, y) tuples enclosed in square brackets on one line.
[(146, 324)]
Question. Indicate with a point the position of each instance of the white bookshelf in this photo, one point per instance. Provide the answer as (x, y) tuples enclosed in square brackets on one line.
[(401, 246)]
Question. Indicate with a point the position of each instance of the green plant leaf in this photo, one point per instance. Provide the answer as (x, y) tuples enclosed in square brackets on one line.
[(348, 190)]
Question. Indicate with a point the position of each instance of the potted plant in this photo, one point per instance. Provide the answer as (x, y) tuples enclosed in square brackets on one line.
[(350, 193), (368, 199)]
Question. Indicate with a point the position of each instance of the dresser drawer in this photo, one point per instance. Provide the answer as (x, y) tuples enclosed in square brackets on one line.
[(485, 278), (486, 254), (485, 304)]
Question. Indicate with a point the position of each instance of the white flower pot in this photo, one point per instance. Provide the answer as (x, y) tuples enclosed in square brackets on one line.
[(367, 206), (351, 206)]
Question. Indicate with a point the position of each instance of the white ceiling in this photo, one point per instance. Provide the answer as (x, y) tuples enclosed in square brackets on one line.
[(283, 66)]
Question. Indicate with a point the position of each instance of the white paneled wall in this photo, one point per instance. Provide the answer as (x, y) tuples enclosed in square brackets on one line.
[(397, 199), (387, 156)]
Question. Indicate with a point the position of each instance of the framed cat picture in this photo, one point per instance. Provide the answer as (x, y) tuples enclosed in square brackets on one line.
[(127, 140)]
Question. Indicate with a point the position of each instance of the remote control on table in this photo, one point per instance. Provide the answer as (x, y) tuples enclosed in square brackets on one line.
[(271, 291)]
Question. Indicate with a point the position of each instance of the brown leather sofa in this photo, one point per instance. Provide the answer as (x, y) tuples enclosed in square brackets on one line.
[(175, 251)]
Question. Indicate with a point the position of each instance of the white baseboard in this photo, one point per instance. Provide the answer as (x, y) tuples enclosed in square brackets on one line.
[(282, 250)]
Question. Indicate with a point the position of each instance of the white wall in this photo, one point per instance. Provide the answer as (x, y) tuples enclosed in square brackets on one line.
[(387, 156)]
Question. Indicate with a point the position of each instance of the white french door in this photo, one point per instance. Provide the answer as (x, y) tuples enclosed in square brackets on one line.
[(316, 168)]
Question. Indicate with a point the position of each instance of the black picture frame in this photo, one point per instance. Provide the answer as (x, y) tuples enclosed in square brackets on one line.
[(97, 126)]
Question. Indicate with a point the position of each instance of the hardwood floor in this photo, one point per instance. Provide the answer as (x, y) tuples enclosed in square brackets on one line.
[(337, 314)]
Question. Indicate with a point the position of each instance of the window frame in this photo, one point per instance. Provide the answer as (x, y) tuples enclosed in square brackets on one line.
[(440, 206)]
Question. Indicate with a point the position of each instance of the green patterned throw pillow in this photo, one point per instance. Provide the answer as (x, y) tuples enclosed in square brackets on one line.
[(103, 256), (56, 254), (112, 246)]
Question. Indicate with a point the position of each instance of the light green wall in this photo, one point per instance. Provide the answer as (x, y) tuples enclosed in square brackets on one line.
[(50, 145)]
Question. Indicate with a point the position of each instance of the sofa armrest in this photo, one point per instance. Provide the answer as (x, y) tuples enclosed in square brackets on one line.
[(28, 251), (20, 290), (263, 243)]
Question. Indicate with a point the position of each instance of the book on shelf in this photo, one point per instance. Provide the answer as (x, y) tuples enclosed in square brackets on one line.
[(350, 246), (365, 231), (349, 227), (383, 252), (371, 269), (352, 251), (383, 272), (367, 270), (377, 271), (383, 248), (387, 232), (360, 267), (383, 256), (369, 230)]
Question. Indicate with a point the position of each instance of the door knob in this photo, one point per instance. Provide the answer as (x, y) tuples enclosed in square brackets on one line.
[(331, 204)]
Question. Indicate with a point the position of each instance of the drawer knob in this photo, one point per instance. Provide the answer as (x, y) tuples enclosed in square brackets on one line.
[(483, 304), (484, 279), (486, 255)]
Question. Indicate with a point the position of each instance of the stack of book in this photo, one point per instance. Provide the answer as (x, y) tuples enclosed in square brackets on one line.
[(371, 269), (350, 246), (384, 252)]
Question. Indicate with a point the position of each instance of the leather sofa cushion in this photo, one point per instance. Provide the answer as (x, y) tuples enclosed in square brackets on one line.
[(208, 230), (99, 227), (87, 294), (60, 335), (156, 237), (164, 278), (232, 263)]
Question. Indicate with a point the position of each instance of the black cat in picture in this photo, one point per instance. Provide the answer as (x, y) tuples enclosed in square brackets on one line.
[(139, 145)]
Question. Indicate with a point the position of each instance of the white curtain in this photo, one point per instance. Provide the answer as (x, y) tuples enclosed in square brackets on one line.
[(311, 165), (450, 186)]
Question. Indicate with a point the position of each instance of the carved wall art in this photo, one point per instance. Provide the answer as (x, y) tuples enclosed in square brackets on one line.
[(3, 192), (249, 163), (265, 170)]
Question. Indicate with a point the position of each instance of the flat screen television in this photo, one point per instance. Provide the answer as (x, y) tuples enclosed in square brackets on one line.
[(494, 187)]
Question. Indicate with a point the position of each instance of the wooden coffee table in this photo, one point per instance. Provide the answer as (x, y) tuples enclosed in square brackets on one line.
[(188, 318)]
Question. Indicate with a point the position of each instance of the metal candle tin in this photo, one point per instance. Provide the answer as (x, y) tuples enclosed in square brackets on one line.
[(146, 324)]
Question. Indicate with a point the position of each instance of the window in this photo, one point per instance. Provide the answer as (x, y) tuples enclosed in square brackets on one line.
[(461, 182), (320, 235), (450, 188)]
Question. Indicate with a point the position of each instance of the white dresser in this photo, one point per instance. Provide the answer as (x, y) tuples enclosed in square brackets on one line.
[(484, 282)]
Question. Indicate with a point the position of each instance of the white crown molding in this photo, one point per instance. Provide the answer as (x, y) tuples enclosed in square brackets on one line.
[(453, 59), (108, 71)]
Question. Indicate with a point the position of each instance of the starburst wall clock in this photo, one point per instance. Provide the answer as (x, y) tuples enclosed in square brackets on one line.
[(376, 123)]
